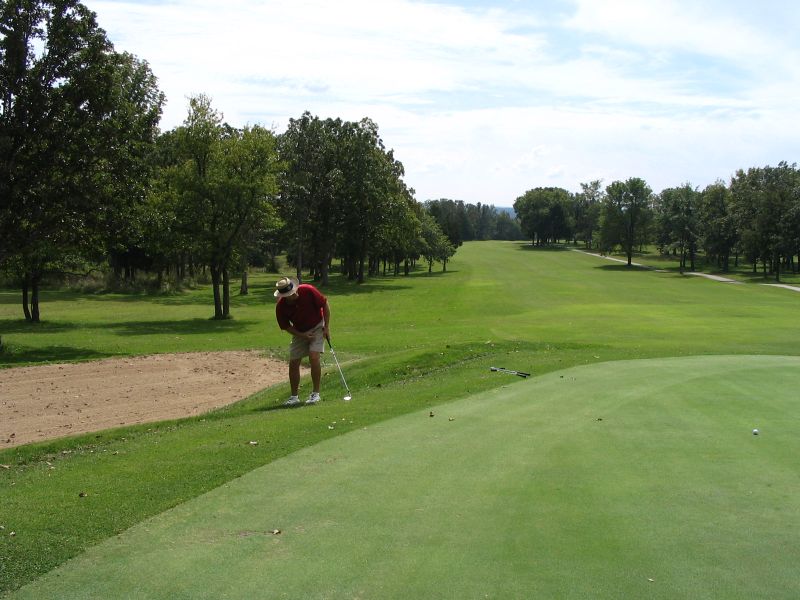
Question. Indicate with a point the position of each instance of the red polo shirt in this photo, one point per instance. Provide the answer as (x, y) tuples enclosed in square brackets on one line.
[(305, 313)]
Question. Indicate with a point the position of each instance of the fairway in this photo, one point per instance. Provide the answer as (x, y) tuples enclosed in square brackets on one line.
[(631, 479)]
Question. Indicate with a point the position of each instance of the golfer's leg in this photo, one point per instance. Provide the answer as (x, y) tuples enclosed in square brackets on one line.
[(294, 375), (316, 369)]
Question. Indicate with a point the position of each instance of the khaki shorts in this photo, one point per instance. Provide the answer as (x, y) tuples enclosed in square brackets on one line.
[(301, 346)]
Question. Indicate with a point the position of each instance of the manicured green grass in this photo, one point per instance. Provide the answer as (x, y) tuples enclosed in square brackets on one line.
[(636, 479), (408, 343)]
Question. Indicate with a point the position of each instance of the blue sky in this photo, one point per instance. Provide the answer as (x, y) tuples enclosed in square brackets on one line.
[(483, 100)]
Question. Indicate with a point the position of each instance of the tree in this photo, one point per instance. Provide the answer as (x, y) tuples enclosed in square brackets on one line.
[(544, 214), (764, 202), (507, 228), (451, 215), (225, 188), (586, 213), (70, 127), (679, 225), (719, 236), (436, 246), (371, 176), (625, 215), (309, 183)]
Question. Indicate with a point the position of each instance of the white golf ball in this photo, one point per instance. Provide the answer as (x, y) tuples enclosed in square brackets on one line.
[(755, 431)]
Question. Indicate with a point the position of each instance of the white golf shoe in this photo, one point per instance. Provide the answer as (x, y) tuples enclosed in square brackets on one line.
[(292, 401), (313, 398)]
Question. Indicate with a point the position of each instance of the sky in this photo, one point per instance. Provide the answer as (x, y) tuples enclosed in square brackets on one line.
[(484, 100)]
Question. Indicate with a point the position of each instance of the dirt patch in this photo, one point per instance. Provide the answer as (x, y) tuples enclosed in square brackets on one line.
[(52, 401)]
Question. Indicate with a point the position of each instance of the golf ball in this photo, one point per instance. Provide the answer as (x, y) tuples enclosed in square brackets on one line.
[(755, 431)]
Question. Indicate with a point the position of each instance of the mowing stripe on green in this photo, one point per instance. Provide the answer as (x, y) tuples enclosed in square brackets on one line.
[(633, 479)]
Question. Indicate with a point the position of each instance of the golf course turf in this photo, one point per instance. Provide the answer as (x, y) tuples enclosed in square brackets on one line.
[(626, 480), (626, 467)]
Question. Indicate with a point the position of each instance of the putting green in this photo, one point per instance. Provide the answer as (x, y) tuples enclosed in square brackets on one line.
[(638, 479)]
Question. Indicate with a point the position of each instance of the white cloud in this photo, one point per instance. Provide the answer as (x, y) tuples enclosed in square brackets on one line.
[(482, 104)]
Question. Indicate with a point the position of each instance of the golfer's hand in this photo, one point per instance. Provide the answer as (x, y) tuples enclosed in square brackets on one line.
[(326, 332)]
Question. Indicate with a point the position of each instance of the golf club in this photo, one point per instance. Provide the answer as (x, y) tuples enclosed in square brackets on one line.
[(502, 370), (349, 396)]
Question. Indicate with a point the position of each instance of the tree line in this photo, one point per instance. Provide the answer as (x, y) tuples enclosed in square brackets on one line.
[(87, 177), (755, 219)]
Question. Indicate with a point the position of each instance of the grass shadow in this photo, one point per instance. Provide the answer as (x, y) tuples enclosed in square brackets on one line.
[(527, 247), (184, 327), (623, 268), (23, 326), (15, 355)]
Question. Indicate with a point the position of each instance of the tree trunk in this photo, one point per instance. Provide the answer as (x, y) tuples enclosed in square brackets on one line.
[(35, 299), (325, 270), (215, 282), (361, 258), (360, 277), (243, 289), (25, 308), (226, 294)]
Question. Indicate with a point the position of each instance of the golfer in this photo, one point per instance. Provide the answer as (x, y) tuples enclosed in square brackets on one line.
[(303, 312)]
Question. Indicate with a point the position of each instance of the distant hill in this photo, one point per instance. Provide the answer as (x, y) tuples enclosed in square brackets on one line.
[(506, 209)]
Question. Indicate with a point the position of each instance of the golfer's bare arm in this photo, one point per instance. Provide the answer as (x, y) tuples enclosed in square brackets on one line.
[(290, 329), (326, 315)]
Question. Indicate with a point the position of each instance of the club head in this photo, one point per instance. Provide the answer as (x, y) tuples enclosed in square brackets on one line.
[(347, 398)]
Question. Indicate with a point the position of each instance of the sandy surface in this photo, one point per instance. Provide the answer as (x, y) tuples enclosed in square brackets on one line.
[(51, 401)]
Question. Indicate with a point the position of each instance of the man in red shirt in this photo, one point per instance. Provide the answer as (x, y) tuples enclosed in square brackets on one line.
[(303, 312)]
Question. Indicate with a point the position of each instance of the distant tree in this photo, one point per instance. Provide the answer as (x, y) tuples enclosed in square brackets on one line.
[(679, 223), (625, 215), (451, 215), (764, 202), (436, 245), (482, 220), (507, 228), (544, 214), (719, 235), (586, 212)]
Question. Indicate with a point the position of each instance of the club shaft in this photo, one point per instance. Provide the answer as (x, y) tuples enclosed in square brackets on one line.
[(518, 373), (341, 373)]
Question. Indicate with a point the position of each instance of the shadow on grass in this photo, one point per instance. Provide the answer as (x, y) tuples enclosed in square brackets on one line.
[(527, 247), (23, 326), (184, 327), (624, 268), (53, 354)]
